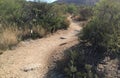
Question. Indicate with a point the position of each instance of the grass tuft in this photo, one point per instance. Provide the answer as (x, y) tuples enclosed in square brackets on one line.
[(8, 37)]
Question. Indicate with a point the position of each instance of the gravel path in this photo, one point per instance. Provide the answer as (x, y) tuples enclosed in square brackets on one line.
[(31, 58)]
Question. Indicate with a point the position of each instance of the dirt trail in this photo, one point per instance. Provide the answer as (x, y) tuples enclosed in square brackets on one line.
[(30, 58)]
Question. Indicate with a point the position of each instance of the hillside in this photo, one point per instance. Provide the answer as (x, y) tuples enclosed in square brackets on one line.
[(85, 2)]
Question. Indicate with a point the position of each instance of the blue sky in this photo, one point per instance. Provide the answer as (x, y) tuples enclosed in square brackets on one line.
[(49, 1)]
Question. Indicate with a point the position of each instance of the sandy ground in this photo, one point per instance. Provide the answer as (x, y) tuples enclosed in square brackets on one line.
[(31, 58)]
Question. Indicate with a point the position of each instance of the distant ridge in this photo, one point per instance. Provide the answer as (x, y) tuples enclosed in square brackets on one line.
[(84, 2)]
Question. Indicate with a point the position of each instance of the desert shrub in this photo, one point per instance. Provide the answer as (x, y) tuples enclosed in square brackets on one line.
[(35, 16), (85, 13), (32, 19), (10, 10), (104, 28), (72, 9), (66, 23), (77, 67), (46, 16)]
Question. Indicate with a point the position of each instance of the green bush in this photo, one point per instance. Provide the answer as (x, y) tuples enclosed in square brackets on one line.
[(10, 10), (85, 13), (48, 18), (72, 9), (77, 68), (32, 19), (104, 28)]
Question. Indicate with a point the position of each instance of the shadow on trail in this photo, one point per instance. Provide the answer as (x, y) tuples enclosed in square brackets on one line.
[(90, 56)]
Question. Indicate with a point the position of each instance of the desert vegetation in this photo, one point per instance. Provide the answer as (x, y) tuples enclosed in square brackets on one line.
[(103, 29), (98, 39), (20, 20)]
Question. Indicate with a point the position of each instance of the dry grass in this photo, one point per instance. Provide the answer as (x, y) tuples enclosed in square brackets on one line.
[(34, 33), (39, 30), (8, 37)]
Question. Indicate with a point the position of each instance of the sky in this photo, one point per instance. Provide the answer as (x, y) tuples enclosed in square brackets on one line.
[(48, 1)]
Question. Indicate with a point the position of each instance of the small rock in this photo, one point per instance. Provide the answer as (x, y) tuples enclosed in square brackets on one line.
[(30, 67), (62, 38)]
